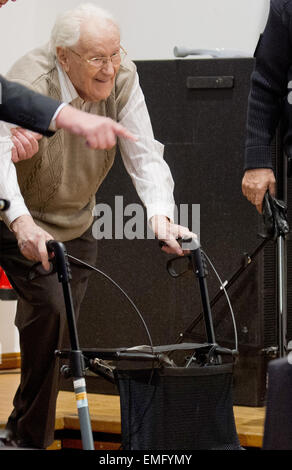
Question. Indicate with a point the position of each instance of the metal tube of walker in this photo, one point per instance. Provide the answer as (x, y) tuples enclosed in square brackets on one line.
[(83, 413)]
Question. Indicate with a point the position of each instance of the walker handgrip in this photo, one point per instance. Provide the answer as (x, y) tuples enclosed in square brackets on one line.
[(51, 246), (62, 263)]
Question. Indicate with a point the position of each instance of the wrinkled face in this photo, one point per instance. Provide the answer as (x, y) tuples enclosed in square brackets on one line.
[(92, 83)]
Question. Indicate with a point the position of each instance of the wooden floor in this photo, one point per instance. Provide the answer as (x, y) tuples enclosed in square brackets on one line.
[(105, 416)]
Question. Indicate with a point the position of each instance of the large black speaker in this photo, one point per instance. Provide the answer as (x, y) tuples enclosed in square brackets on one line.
[(198, 111)]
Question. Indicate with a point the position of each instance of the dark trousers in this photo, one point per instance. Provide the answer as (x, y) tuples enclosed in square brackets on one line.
[(42, 326)]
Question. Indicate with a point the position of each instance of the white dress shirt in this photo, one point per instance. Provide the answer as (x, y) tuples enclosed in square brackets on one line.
[(143, 159), (9, 188)]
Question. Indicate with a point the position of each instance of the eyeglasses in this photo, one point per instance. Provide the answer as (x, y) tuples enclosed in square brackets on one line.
[(99, 62)]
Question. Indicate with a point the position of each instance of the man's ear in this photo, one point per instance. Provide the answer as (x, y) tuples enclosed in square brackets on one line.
[(62, 55)]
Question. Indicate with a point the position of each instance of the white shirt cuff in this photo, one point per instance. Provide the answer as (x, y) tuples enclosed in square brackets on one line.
[(9, 188), (16, 209), (53, 126)]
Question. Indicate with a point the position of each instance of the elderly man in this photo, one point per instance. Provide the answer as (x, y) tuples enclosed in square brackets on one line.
[(86, 67), (42, 114)]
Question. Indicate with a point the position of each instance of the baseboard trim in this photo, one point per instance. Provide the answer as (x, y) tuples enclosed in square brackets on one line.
[(10, 360)]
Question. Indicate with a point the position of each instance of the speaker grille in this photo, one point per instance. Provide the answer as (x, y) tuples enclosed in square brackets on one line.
[(269, 297)]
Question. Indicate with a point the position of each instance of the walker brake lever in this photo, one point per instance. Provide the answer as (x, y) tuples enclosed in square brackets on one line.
[(193, 249), (171, 263), (172, 271)]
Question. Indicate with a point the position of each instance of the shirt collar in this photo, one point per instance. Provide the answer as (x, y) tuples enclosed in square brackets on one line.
[(68, 90)]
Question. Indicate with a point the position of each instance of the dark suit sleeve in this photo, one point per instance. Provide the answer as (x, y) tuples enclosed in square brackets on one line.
[(268, 86), (26, 108)]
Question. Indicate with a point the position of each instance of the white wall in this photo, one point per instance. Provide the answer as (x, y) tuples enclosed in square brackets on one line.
[(9, 338), (150, 28)]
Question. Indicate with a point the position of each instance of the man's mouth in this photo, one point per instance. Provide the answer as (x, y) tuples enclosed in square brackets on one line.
[(101, 81)]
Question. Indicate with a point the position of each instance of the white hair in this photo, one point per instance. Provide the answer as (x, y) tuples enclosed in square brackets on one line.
[(66, 31)]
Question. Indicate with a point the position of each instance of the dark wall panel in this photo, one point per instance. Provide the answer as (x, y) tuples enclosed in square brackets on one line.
[(203, 132)]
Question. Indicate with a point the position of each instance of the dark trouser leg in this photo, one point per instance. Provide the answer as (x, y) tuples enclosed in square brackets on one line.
[(41, 321)]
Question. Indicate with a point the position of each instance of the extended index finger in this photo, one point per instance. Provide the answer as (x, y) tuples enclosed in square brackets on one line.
[(123, 132)]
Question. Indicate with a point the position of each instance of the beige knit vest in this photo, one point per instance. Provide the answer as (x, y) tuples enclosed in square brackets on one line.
[(60, 182)]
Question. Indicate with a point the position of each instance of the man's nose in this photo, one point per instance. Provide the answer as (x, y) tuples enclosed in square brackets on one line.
[(108, 68)]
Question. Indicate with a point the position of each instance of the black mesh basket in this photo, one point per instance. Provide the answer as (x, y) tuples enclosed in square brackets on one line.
[(177, 408)]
